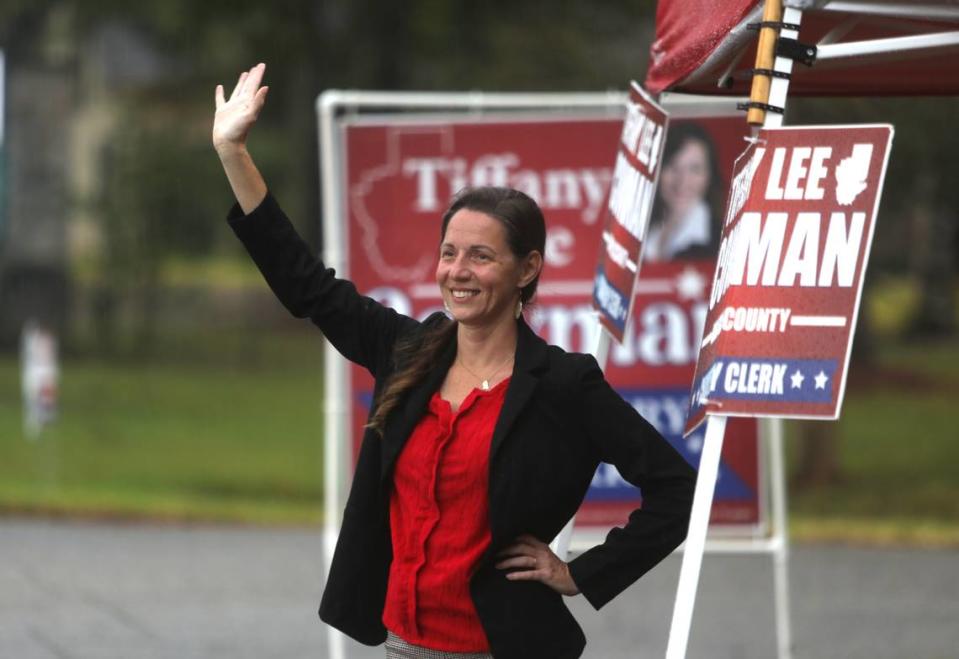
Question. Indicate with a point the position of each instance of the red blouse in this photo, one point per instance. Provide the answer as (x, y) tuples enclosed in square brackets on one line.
[(439, 523)]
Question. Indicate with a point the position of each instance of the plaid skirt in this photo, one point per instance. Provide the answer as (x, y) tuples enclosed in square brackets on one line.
[(397, 648)]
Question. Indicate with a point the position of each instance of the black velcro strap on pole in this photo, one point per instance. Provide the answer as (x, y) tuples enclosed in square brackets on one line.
[(769, 73), (761, 106), (776, 25)]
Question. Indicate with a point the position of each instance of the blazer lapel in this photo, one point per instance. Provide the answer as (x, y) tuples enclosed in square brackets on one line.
[(411, 410), (529, 360)]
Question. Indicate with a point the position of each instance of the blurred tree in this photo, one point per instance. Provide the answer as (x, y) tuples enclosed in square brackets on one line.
[(34, 278), (161, 186), (152, 207), (916, 233), (925, 156), (147, 70), (156, 63)]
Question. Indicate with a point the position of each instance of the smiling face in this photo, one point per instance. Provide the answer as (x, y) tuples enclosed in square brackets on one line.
[(684, 180), (479, 276)]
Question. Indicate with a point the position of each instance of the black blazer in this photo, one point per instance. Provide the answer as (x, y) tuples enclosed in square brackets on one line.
[(559, 419)]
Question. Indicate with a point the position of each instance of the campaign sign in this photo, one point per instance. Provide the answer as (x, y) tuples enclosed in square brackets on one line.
[(652, 370), (796, 235), (39, 377), (627, 209), (400, 173), (652, 367)]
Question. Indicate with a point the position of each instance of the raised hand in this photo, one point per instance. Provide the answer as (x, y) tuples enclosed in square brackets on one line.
[(540, 562), (235, 117)]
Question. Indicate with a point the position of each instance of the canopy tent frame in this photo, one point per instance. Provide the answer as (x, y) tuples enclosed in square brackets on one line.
[(897, 32), (860, 49), (872, 48)]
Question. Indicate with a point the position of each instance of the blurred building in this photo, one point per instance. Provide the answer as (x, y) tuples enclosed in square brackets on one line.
[(60, 97), (33, 254)]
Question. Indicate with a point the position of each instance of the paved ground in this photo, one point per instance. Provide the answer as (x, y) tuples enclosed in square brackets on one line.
[(108, 591)]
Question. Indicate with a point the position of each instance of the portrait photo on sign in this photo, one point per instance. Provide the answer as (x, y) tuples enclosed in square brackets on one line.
[(653, 366), (687, 211)]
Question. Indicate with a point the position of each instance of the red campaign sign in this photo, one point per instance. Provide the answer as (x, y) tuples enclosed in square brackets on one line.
[(401, 174), (652, 367), (627, 211), (652, 370), (785, 297), (399, 178)]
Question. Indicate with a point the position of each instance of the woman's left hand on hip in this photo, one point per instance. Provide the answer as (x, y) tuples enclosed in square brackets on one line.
[(540, 564)]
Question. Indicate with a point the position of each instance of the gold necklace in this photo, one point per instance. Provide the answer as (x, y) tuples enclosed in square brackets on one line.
[(484, 382)]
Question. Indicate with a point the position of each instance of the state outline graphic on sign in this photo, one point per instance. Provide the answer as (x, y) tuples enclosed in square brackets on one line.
[(369, 224), (851, 174)]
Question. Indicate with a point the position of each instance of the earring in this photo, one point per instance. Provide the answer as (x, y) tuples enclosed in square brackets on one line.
[(446, 305), (519, 309)]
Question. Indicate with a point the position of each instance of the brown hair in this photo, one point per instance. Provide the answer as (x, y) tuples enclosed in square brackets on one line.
[(525, 233), (680, 134)]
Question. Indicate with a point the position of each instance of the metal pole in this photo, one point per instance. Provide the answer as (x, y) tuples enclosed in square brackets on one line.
[(336, 421), (602, 347), (777, 97), (780, 86), (780, 516), (696, 539)]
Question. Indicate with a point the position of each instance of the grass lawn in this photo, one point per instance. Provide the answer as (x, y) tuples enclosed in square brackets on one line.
[(182, 439), (193, 437), (898, 450)]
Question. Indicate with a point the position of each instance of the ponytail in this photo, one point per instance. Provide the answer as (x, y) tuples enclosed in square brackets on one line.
[(420, 354)]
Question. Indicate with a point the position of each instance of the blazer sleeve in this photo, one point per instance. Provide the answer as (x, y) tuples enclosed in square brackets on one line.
[(360, 328), (645, 459)]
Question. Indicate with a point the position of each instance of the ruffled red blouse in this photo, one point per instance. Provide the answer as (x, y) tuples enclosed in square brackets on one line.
[(439, 521)]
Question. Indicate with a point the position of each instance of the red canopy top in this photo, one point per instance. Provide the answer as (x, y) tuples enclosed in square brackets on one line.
[(704, 47)]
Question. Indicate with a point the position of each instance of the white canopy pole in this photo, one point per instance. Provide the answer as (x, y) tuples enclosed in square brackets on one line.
[(713, 441), (917, 43), (696, 539), (777, 96), (925, 10)]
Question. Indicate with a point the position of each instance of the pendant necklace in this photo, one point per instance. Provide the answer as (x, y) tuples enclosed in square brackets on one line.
[(484, 382)]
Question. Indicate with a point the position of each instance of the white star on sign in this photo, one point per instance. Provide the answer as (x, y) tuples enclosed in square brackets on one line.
[(821, 380), (695, 443), (797, 379), (690, 285)]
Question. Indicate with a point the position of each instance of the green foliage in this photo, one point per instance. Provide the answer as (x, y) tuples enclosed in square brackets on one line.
[(921, 164), (156, 202), (924, 147), (916, 230)]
